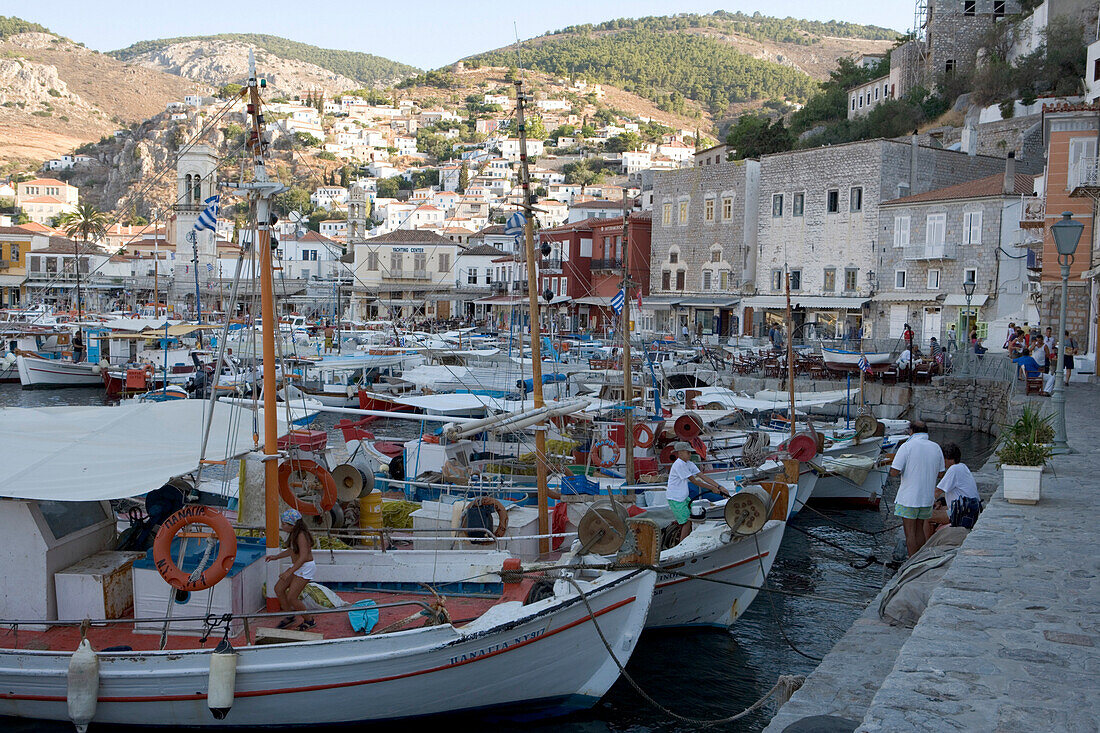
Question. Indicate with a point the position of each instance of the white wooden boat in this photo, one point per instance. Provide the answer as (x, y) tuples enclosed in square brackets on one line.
[(35, 372), (848, 359)]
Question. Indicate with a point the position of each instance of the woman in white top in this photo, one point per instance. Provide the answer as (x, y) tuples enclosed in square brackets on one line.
[(957, 499)]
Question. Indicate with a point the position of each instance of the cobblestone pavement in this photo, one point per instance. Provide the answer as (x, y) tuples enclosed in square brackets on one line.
[(1009, 641)]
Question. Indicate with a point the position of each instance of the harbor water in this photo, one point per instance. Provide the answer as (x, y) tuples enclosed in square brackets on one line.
[(698, 674)]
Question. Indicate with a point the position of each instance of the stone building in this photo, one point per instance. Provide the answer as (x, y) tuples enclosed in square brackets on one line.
[(704, 246), (819, 218), (933, 243), (955, 30), (407, 273)]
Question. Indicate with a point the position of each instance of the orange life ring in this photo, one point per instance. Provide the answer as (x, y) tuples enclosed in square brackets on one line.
[(502, 517), (328, 486), (162, 548), (149, 371), (599, 454), (640, 430)]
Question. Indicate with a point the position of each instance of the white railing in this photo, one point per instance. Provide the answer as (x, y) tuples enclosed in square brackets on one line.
[(926, 251), (1085, 174)]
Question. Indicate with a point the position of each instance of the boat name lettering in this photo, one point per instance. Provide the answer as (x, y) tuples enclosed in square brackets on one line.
[(498, 647)]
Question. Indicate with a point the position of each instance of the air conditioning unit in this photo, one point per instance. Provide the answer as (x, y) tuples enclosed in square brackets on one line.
[(1034, 288)]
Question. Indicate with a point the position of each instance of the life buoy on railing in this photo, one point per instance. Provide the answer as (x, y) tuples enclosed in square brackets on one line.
[(218, 569), (643, 435), (328, 486), (502, 517), (598, 454)]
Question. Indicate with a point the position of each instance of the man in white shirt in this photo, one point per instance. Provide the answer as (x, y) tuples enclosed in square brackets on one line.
[(905, 360), (678, 493), (920, 464)]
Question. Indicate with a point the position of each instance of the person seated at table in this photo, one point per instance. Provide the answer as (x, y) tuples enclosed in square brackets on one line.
[(1031, 369), (905, 360)]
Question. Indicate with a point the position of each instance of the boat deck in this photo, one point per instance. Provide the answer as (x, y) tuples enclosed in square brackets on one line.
[(332, 625)]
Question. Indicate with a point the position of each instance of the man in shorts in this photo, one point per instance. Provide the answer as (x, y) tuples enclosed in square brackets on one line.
[(920, 464), (678, 493)]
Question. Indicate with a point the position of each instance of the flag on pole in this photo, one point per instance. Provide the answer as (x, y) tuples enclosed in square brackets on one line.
[(864, 365), (514, 227), (639, 298), (208, 219), (209, 267), (617, 302)]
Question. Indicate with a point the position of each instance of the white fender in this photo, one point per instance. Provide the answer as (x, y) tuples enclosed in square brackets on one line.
[(83, 692), (223, 680)]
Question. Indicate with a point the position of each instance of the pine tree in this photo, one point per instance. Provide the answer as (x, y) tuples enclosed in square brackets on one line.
[(463, 178)]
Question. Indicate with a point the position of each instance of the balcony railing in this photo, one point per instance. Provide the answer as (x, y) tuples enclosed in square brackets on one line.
[(550, 265), (1086, 174), (607, 264), (4, 264), (407, 275), (940, 251), (1033, 214)]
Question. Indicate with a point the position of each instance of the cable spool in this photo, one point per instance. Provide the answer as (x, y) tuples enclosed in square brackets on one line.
[(602, 530), (802, 447), (688, 426), (351, 483), (866, 426), (667, 454), (747, 510)]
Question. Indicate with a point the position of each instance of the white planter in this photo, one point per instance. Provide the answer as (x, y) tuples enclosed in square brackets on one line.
[(1023, 484)]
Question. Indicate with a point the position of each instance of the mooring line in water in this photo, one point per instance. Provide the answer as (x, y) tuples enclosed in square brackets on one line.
[(785, 682), (849, 527), (867, 559), (775, 614)]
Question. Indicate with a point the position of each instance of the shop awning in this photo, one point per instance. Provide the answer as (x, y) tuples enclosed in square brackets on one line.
[(976, 301), (660, 303), (11, 281), (907, 297), (594, 300), (711, 302), (822, 302)]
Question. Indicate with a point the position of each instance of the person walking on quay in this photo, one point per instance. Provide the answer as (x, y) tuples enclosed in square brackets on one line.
[(1071, 350), (678, 493), (920, 464), (330, 332)]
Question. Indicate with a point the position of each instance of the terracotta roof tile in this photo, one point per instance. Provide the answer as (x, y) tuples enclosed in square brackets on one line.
[(981, 188)]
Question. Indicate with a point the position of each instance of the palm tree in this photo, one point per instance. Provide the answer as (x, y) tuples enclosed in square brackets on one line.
[(89, 223)]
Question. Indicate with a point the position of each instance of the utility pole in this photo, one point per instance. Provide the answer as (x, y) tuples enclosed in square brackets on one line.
[(624, 327)]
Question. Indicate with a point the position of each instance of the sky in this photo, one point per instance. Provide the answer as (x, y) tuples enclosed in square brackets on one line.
[(426, 34)]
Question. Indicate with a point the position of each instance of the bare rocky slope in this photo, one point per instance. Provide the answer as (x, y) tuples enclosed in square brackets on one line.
[(56, 95), (216, 62)]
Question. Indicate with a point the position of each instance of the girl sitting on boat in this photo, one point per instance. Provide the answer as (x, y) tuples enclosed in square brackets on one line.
[(294, 579)]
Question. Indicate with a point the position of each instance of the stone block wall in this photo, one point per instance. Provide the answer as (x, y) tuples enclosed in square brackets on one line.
[(696, 240), (1022, 135), (954, 36), (1077, 309), (981, 405)]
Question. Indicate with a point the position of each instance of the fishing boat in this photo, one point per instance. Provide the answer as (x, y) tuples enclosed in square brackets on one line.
[(848, 359), (35, 372)]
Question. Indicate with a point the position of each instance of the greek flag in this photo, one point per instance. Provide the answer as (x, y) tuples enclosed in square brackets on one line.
[(208, 219), (515, 225), (617, 302), (864, 365), (209, 267)]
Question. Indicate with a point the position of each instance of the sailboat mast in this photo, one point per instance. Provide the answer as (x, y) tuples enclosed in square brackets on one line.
[(790, 350), (533, 300), (624, 327), (265, 189)]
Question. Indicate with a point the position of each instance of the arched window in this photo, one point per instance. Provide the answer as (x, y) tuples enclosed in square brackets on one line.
[(186, 188), (196, 188)]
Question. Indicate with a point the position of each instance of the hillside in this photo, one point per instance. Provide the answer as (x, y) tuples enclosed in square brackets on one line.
[(725, 61), (290, 66), (485, 79), (56, 95)]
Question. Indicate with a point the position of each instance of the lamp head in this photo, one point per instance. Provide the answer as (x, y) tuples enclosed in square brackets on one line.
[(1067, 234), (968, 287)]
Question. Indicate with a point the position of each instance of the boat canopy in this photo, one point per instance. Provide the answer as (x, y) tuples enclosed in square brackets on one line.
[(98, 453)]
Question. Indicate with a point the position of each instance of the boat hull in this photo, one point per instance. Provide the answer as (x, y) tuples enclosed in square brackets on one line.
[(679, 601), (850, 359), (546, 654), (37, 373)]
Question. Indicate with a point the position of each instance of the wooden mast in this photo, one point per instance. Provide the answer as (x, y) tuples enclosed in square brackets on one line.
[(533, 300), (265, 188), (624, 327)]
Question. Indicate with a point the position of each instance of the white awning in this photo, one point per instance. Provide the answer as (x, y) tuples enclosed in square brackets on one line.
[(977, 301), (907, 297), (97, 453), (9, 281), (824, 302)]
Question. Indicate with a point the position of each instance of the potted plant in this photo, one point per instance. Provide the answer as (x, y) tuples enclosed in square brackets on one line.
[(1024, 451)]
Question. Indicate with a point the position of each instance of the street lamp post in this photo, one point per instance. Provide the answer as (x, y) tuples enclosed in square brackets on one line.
[(968, 288), (1067, 234)]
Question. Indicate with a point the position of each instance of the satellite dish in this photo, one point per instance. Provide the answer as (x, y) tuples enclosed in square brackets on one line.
[(602, 530), (747, 510)]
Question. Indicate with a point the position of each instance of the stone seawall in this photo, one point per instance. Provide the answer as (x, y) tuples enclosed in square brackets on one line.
[(981, 405)]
